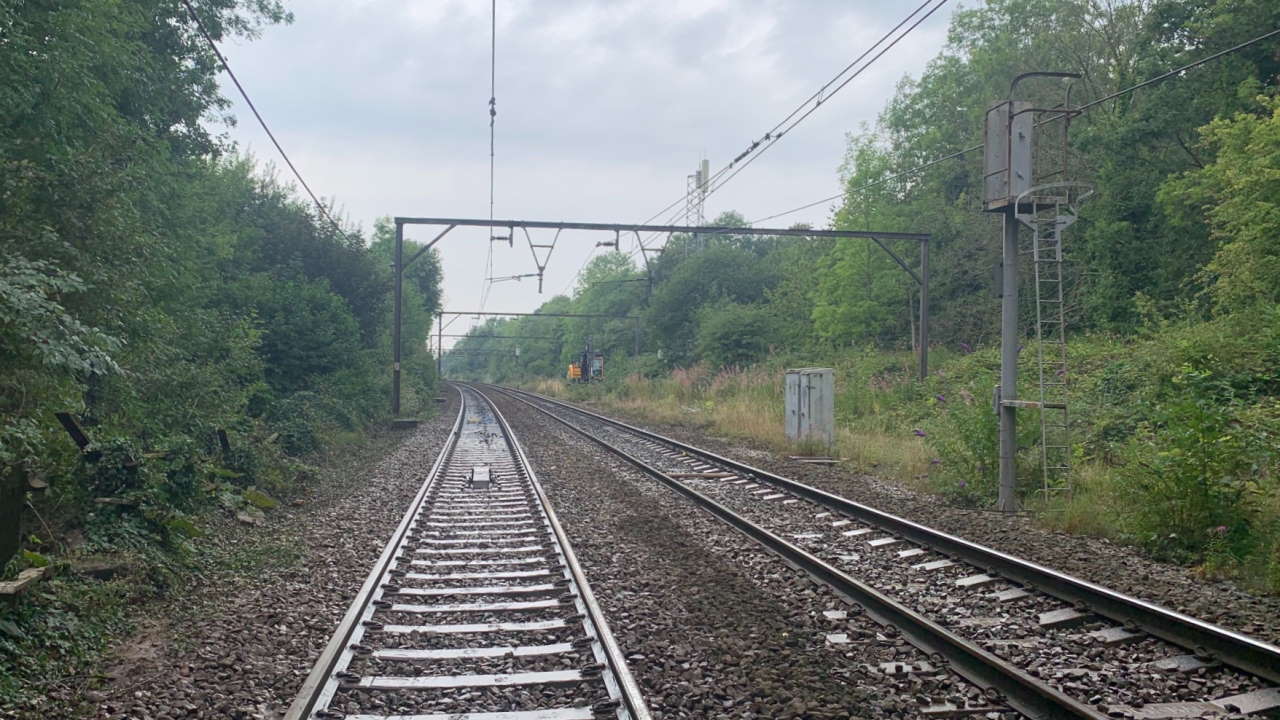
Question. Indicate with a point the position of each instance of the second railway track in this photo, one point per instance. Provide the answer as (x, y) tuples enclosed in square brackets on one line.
[(1048, 644), (477, 608)]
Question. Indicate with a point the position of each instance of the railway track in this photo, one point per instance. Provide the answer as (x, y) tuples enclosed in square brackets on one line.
[(1041, 642), (477, 608)]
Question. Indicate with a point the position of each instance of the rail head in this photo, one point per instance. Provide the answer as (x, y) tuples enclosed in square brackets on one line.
[(1231, 648), (629, 691), (1023, 692), (320, 680)]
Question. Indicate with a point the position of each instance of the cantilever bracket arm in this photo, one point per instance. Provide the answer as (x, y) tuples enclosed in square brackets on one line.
[(512, 277), (428, 245), (898, 260)]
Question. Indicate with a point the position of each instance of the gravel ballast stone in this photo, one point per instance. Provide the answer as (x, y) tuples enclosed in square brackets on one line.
[(240, 645), (1097, 560), (711, 623)]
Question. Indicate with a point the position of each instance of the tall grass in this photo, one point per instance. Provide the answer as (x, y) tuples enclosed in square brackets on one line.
[(1176, 433), (747, 404)]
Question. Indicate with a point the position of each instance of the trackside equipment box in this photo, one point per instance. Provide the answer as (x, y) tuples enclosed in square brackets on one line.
[(811, 405)]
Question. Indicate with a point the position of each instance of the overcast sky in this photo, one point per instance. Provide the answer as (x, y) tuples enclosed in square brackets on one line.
[(604, 108)]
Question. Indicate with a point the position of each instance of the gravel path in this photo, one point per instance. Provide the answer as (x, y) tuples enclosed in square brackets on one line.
[(1098, 560), (712, 625), (239, 645)]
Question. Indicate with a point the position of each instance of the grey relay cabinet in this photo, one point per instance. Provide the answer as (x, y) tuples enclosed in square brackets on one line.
[(811, 405)]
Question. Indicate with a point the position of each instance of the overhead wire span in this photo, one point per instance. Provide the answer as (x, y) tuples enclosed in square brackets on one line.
[(324, 211), (813, 102), (967, 150), (771, 136), (1177, 71), (778, 136), (873, 183), (493, 116), (1082, 109)]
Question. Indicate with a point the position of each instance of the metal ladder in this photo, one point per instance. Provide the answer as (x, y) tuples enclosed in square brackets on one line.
[(1050, 209)]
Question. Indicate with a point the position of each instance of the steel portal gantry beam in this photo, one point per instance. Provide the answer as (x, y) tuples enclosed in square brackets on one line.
[(627, 227), (921, 278)]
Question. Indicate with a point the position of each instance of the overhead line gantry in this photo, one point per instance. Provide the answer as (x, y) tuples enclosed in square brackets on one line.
[(920, 274)]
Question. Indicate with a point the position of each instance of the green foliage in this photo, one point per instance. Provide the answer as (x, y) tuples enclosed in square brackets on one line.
[(735, 334), (1172, 283), (162, 290), (117, 468), (36, 325), (1239, 194), (61, 631), (34, 559), (307, 331), (964, 435), (1195, 468), (722, 272), (260, 500), (159, 289), (303, 418)]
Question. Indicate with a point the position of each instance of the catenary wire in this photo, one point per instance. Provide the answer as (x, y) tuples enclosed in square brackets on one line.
[(778, 136), (973, 148), (324, 211), (772, 136), (818, 95), (1083, 108), (493, 116)]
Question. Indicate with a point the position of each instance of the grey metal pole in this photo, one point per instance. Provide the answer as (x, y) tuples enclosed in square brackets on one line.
[(395, 328), (439, 345), (1008, 500), (924, 308)]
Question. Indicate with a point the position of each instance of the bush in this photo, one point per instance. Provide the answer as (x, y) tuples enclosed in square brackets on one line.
[(1201, 470), (965, 434), (735, 334)]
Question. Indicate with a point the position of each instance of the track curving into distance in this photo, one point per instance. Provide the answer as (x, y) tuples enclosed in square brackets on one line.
[(477, 608)]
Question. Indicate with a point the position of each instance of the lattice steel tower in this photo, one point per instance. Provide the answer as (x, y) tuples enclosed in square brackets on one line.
[(695, 199)]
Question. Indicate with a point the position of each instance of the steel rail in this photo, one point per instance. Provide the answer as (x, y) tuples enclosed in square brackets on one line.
[(320, 681), (1251, 655), (331, 672), (1020, 690), (628, 689)]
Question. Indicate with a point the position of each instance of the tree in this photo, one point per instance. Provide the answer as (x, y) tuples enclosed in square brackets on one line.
[(721, 272), (735, 334), (1239, 194)]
